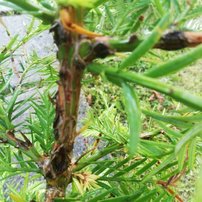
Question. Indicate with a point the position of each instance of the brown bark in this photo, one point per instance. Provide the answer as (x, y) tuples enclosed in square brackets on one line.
[(57, 167), (170, 41)]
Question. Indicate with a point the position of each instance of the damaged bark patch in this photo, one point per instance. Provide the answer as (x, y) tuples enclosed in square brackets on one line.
[(178, 40), (101, 50), (172, 41), (60, 161)]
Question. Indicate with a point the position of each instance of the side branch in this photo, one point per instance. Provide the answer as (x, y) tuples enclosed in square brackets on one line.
[(176, 93), (23, 144), (170, 41)]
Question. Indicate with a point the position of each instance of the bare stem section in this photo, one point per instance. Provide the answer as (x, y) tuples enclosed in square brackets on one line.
[(57, 167)]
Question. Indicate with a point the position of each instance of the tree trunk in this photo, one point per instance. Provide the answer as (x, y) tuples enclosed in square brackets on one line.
[(57, 167)]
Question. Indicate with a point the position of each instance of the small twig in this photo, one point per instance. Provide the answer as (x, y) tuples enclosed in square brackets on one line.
[(169, 190), (97, 141), (29, 144), (83, 128), (84, 154), (173, 179), (89, 151), (19, 143), (171, 182)]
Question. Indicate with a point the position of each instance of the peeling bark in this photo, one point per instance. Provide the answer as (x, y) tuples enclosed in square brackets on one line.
[(57, 167)]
